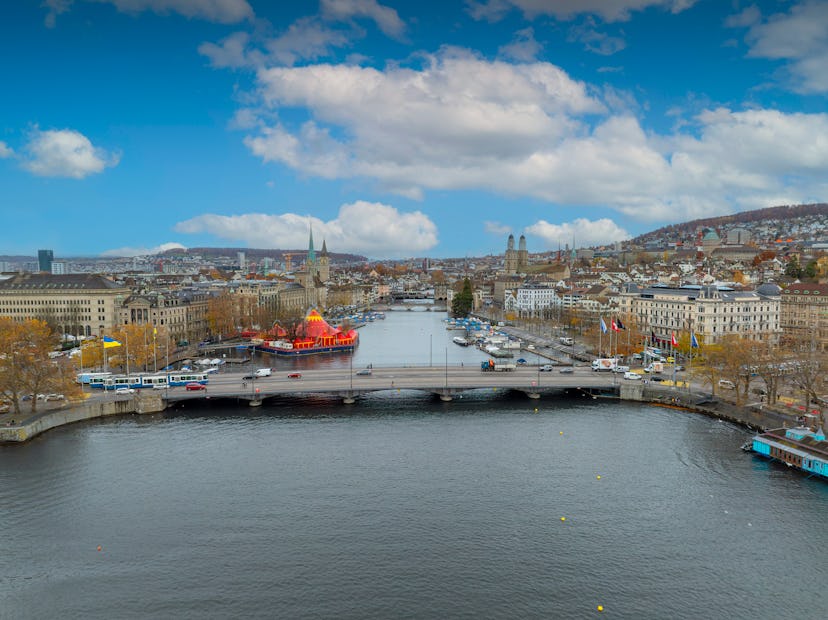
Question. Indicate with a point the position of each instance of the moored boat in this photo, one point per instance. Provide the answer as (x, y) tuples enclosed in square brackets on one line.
[(463, 342), (313, 335), (798, 447)]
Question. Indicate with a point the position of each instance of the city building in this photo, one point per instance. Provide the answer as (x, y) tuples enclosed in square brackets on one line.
[(803, 314), (44, 260), (181, 315), (708, 311), (76, 304)]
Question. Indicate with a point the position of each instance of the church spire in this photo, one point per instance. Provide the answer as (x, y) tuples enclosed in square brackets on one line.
[(324, 251), (311, 252)]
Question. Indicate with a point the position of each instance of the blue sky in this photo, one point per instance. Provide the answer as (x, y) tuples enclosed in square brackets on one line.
[(401, 128)]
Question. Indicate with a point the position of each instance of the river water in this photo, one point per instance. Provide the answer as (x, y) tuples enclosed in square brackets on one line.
[(402, 506)]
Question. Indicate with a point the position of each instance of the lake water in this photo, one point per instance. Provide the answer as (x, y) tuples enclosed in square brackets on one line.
[(402, 506)]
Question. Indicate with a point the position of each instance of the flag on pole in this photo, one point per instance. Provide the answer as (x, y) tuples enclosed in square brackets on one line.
[(673, 340), (614, 325), (603, 326), (108, 342), (619, 324), (693, 342)]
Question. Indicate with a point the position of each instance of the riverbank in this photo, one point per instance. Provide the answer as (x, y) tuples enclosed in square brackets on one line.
[(19, 428)]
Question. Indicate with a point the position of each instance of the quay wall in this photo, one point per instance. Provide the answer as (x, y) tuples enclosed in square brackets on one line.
[(31, 426)]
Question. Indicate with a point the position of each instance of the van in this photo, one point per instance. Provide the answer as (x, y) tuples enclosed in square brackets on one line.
[(262, 372), (566, 341), (621, 369), (726, 384)]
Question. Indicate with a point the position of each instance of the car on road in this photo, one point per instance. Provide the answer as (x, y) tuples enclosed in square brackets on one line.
[(158, 386), (567, 370), (365, 372), (54, 397), (547, 368), (521, 362), (248, 377), (124, 390), (632, 376), (295, 375), (194, 387)]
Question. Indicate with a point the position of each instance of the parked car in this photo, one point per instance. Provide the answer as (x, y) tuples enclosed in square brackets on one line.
[(192, 387), (295, 375), (727, 384), (54, 397), (547, 368), (364, 372), (124, 390)]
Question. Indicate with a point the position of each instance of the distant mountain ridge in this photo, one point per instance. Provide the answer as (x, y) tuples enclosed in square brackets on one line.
[(256, 254), (785, 212)]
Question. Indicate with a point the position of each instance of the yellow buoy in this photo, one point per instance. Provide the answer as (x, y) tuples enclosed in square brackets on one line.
[(536, 409), (600, 608), (561, 432), (563, 518), (597, 477)]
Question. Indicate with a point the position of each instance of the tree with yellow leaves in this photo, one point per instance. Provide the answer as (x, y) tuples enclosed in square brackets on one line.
[(26, 366)]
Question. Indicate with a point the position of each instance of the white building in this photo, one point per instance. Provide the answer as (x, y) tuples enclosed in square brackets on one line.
[(708, 311)]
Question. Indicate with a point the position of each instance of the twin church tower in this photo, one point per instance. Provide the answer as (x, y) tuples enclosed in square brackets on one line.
[(514, 260)]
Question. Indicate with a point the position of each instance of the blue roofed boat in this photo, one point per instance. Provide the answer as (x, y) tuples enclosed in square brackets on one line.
[(798, 447)]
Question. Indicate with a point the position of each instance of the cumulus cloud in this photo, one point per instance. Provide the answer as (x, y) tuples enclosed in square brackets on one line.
[(523, 48), (496, 228), (799, 37), (529, 129), (580, 232), (385, 17), (127, 251), (608, 10), (5, 150), (594, 40), (221, 11), (65, 153), (361, 227)]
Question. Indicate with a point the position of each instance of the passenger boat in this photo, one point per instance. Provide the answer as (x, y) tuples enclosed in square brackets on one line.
[(313, 335), (463, 342), (798, 447)]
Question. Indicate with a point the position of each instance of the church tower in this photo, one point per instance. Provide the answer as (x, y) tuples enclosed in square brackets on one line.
[(510, 259), (324, 264), (523, 255), (312, 267)]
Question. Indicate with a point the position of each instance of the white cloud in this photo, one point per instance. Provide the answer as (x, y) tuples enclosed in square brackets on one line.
[(5, 150), (56, 7), (496, 228), (594, 40), (360, 227), (127, 251), (523, 48), (800, 37), (461, 122), (608, 10), (221, 11), (386, 18), (65, 153), (580, 232)]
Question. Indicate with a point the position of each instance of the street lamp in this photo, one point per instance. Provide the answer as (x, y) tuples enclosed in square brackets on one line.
[(446, 367)]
